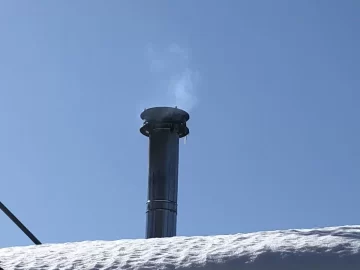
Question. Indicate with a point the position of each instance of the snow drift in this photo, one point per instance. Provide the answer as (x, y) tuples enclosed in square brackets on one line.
[(317, 249)]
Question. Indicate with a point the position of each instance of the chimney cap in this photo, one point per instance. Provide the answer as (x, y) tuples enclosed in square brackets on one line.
[(164, 114)]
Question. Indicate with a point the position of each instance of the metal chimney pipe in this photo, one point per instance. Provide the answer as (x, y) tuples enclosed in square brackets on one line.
[(164, 126)]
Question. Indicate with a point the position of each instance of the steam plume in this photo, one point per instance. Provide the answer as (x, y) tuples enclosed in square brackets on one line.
[(175, 80)]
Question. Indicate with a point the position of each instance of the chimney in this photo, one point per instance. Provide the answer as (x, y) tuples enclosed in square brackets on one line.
[(164, 126)]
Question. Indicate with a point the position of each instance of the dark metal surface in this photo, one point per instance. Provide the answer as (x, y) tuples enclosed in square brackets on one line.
[(19, 224), (169, 118), (164, 114), (163, 184), (164, 126)]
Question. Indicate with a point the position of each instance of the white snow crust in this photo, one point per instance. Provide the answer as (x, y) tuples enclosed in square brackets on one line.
[(316, 249)]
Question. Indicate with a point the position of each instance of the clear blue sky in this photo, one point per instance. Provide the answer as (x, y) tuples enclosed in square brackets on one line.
[(274, 140)]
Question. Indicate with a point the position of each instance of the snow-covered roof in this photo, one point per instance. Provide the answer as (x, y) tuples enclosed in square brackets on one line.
[(316, 249)]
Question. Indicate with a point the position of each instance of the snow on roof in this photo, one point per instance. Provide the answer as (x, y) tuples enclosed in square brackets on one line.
[(316, 249)]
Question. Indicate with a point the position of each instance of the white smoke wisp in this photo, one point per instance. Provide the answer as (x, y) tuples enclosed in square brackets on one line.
[(175, 80), (182, 87)]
